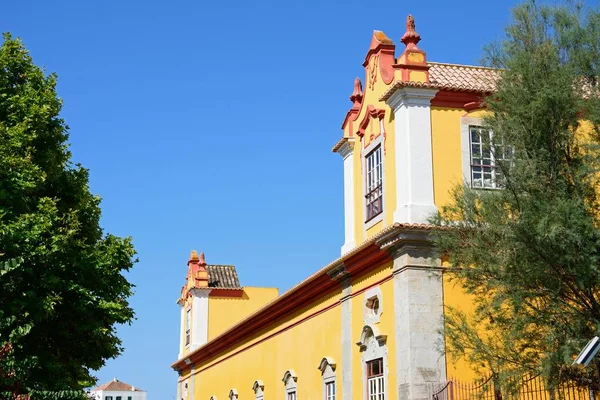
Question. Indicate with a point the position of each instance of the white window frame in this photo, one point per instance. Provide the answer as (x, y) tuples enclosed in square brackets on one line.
[(327, 367), (367, 151), (233, 394), (376, 384), (188, 327), (373, 345), (372, 294), (291, 388), (466, 147), (259, 389)]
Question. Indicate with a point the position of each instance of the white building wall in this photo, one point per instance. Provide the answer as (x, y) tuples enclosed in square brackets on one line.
[(135, 395)]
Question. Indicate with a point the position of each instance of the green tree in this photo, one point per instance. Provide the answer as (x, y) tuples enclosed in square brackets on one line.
[(62, 289), (530, 254)]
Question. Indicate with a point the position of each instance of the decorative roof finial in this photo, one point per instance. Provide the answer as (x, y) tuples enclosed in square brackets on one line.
[(357, 95), (194, 255), (410, 37), (202, 260)]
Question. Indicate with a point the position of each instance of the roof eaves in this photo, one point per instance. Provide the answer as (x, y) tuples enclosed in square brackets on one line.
[(374, 239)]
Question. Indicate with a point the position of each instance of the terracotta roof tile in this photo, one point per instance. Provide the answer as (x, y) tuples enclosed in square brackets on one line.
[(453, 77), (223, 277), (117, 385), (463, 77)]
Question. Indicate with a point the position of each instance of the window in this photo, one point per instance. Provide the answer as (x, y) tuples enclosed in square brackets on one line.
[(188, 323), (327, 368), (487, 152), (374, 184), (330, 391), (375, 380), (258, 388), (119, 397), (107, 397), (128, 397), (373, 305), (289, 380)]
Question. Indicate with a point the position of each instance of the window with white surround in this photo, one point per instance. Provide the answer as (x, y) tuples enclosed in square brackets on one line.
[(374, 183), (486, 153), (233, 394), (375, 383), (330, 391), (327, 368), (375, 371), (259, 390), (373, 305), (289, 380), (188, 324)]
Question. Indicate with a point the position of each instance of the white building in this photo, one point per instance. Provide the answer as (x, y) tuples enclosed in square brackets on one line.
[(117, 390)]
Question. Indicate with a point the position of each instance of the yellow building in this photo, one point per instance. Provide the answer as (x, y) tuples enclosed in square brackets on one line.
[(368, 324)]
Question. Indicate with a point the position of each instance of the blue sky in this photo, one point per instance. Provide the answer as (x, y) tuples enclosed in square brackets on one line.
[(208, 125)]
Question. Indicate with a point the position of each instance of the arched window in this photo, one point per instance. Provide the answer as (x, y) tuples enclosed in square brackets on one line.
[(289, 380), (373, 350), (327, 368), (259, 390), (233, 394)]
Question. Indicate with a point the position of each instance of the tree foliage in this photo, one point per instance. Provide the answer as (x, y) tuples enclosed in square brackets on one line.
[(529, 255), (62, 288)]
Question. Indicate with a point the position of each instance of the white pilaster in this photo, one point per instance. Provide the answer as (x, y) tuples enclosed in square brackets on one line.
[(346, 151), (199, 318), (182, 331), (414, 158)]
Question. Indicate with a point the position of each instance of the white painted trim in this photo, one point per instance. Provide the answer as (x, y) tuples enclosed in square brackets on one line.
[(347, 152), (327, 368), (182, 332), (378, 141), (199, 317), (372, 346), (414, 154), (368, 317), (259, 389), (346, 335), (289, 379), (465, 145), (233, 394)]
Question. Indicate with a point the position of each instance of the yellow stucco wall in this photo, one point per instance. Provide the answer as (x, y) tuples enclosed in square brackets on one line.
[(372, 93), (268, 354), (299, 343), (446, 147), (223, 312), (455, 297), (385, 326)]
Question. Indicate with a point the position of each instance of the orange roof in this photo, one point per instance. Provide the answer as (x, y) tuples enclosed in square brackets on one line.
[(117, 386), (463, 77), (453, 77)]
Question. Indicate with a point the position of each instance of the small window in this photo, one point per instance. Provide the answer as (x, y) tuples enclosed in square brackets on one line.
[(128, 397), (375, 380), (188, 323), (487, 152), (330, 391), (107, 397), (374, 184), (373, 306), (119, 398)]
